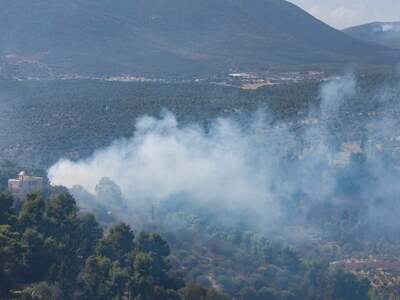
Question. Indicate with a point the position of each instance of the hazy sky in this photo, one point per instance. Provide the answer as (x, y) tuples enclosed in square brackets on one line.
[(345, 13)]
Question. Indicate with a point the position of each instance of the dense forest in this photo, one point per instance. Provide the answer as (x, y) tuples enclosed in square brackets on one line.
[(50, 250)]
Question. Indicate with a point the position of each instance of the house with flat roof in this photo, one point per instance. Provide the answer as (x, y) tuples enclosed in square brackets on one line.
[(25, 184)]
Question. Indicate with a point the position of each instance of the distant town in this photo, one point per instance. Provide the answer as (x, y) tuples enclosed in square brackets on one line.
[(15, 67)]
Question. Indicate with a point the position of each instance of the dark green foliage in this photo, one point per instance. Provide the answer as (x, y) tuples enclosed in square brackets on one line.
[(102, 279), (61, 215), (90, 234), (152, 242), (10, 253), (347, 286), (117, 244), (150, 268), (245, 265), (35, 256), (7, 214), (57, 254), (48, 250), (33, 214), (197, 292)]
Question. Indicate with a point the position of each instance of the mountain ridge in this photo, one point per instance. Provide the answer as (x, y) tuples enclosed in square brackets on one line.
[(177, 36), (383, 33)]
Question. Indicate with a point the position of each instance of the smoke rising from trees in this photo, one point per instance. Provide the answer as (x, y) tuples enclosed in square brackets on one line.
[(256, 167)]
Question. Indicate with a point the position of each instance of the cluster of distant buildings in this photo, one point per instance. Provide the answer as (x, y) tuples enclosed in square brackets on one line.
[(25, 184), (252, 81)]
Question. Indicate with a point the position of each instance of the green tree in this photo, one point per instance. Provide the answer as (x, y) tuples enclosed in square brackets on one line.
[(117, 244), (62, 216), (194, 292), (7, 214), (151, 248), (35, 260), (33, 213), (97, 279), (90, 234), (64, 235), (152, 242), (10, 254), (347, 286)]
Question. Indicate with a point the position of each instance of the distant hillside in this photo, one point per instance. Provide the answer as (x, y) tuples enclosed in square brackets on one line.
[(43, 121), (170, 36), (386, 34)]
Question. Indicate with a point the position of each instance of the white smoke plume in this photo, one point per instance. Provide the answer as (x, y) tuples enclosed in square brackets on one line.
[(253, 166), (162, 160), (228, 162)]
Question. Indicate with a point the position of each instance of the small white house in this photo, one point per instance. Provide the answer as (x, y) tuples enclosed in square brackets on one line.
[(25, 184)]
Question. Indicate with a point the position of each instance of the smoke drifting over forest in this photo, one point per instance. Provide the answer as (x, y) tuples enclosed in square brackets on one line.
[(256, 166)]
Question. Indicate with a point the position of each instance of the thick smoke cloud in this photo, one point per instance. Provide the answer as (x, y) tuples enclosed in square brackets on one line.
[(162, 160), (256, 166)]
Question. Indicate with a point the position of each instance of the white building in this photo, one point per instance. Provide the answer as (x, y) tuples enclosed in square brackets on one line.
[(25, 184)]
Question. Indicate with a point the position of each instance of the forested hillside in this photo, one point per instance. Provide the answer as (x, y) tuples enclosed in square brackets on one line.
[(50, 250), (42, 121), (296, 241)]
